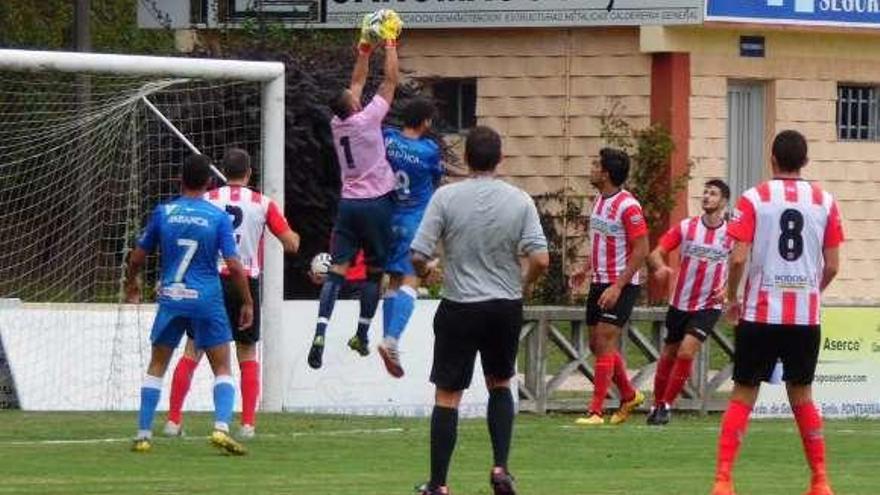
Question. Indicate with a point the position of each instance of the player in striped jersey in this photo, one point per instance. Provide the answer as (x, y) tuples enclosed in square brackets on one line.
[(792, 230), (619, 239), (695, 305), (251, 213)]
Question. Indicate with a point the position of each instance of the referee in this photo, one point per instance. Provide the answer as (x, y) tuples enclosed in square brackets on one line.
[(483, 226)]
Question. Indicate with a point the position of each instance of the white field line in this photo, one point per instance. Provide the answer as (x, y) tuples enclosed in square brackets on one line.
[(331, 433)]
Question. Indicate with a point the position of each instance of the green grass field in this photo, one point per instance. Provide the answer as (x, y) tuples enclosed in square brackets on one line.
[(88, 453)]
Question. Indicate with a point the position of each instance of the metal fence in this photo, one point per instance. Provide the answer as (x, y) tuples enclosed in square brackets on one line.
[(564, 328)]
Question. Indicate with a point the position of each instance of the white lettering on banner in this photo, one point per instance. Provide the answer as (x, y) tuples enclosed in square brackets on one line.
[(494, 13), (859, 6)]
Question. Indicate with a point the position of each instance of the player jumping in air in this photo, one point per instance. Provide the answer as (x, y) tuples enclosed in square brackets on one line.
[(792, 230), (190, 232), (695, 305), (619, 238), (364, 218), (415, 158), (251, 213)]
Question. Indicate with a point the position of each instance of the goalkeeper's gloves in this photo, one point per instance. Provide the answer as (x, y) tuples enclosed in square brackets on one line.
[(367, 37), (391, 26)]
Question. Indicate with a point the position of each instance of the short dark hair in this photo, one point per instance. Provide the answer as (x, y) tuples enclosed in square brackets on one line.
[(236, 163), (616, 163), (196, 171), (721, 185), (482, 148), (416, 111), (790, 150), (339, 104)]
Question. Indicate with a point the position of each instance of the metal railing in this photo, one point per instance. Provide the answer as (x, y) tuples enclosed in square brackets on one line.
[(564, 327)]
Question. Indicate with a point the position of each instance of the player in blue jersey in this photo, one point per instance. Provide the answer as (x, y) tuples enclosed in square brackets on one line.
[(190, 232), (415, 159)]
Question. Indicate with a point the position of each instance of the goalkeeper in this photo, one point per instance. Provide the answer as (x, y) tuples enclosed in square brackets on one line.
[(364, 214)]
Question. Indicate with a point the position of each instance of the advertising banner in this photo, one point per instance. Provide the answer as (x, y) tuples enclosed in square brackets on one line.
[(521, 13), (847, 380), (852, 13)]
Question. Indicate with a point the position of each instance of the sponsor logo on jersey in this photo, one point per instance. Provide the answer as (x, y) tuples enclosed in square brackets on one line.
[(792, 282), (607, 228), (708, 253), (179, 292), (188, 220)]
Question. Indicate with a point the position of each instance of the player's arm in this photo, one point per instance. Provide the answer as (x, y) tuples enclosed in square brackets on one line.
[(637, 237), (742, 231), (426, 238), (534, 244), (657, 259), (360, 71), (281, 229), (138, 257), (392, 72), (831, 246), (240, 279), (237, 273), (136, 261)]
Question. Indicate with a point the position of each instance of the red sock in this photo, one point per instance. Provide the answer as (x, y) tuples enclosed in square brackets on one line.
[(810, 425), (601, 381), (627, 392), (183, 374), (661, 378), (681, 371), (733, 428), (250, 391)]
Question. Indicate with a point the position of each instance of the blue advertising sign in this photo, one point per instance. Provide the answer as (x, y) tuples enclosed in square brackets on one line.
[(852, 13)]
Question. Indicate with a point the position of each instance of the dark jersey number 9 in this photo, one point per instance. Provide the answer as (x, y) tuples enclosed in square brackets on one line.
[(791, 240)]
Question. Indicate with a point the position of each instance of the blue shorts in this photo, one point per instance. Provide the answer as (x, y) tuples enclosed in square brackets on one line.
[(363, 224), (404, 225), (208, 330)]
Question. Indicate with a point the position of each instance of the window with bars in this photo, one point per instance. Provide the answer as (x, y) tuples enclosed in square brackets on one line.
[(457, 104), (857, 113)]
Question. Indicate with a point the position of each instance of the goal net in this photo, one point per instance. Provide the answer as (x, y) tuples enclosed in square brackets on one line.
[(83, 161)]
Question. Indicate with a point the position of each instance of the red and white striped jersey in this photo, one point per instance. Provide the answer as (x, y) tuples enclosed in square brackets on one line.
[(250, 212), (704, 252), (788, 223), (615, 222)]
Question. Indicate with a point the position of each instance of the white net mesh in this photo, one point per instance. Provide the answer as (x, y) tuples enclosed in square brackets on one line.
[(82, 162)]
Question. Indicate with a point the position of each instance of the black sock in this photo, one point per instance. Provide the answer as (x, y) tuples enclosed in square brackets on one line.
[(369, 304), (499, 417), (444, 432)]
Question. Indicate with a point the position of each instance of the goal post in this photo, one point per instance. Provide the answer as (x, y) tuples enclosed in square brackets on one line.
[(37, 134)]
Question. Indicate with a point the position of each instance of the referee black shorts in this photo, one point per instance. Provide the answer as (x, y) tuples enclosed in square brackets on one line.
[(760, 345), (461, 330)]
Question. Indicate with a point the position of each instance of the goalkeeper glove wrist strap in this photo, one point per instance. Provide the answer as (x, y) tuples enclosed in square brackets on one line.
[(364, 48), (391, 43)]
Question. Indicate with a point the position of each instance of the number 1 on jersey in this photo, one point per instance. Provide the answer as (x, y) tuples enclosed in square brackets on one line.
[(191, 247), (345, 142)]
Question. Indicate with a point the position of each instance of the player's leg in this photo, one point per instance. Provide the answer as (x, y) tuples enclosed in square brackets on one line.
[(699, 324), (213, 334), (375, 229), (246, 349), (455, 351), (661, 375), (757, 349), (617, 317), (603, 367), (167, 331), (799, 357), (675, 331), (498, 344), (180, 385), (342, 251)]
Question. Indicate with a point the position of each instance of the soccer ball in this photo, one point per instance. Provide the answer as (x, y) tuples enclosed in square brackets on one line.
[(321, 263), (381, 25)]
